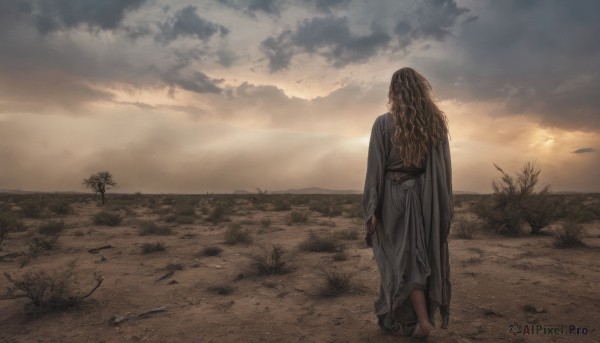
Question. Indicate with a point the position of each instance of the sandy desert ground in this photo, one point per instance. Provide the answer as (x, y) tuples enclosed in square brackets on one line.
[(496, 280)]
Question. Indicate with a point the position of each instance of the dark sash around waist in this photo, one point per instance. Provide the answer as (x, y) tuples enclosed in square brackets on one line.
[(400, 175)]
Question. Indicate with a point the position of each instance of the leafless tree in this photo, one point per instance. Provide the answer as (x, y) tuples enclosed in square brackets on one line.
[(100, 183)]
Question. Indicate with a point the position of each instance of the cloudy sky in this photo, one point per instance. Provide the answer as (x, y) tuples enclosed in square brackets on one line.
[(217, 95)]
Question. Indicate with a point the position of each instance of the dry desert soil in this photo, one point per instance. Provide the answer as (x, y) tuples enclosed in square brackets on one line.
[(497, 281)]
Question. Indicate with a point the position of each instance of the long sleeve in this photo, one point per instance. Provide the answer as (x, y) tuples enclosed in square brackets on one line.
[(448, 167), (375, 171)]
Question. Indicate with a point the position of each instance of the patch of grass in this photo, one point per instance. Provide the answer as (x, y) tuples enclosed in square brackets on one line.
[(212, 251), (53, 227), (148, 248), (271, 262), (569, 235), (336, 283), (318, 243), (235, 234), (49, 291), (150, 228), (297, 217), (107, 218)]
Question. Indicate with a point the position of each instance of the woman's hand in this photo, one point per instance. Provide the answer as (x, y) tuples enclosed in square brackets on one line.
[(372, 225)]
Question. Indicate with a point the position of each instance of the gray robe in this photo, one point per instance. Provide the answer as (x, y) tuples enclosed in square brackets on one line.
[(410, 241)]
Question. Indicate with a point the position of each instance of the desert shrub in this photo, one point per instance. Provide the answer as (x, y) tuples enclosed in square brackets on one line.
[(212, 251), (348, 234), (341, 255), (540, 210), (579, 209), (53, 227), (49, 291), (355, 211), (221, 289), (150, 228), (464, 228), (38, 243), (107, 218), (569, 235), (506, 210), (185, 210), (8, 223), (148, 248), (271, 262), (336, 283), (31, 208), (297, 217), (235, 234), (282, 206), (265, 222), (61, 207), (219, 213), (183, 220), (318, 243), (326, 207)]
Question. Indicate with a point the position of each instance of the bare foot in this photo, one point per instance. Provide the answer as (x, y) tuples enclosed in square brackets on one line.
[(422, 330)]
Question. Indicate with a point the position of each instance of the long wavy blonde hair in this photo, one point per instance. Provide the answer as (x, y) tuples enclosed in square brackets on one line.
[(418, 122)]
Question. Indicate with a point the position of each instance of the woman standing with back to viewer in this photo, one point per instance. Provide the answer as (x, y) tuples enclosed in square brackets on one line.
[(408, 207)]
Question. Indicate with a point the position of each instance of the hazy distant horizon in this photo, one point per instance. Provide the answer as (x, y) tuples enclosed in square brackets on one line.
[(186, 96)]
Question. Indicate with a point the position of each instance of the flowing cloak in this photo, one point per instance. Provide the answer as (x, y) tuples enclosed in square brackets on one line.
[(410, 240)]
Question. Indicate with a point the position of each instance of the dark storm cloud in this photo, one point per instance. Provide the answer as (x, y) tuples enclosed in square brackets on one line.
[(432, 19), (535, 56), (584, 151), (326, 6), (194, 81), (251, 7), (53, 15), (187, 23), (329, 37), (279, 50)]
